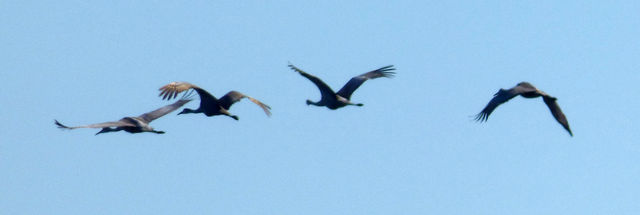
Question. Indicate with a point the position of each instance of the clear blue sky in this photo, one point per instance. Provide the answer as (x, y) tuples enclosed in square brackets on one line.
[(411, 149)]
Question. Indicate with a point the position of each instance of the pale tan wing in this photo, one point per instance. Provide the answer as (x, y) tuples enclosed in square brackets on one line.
[(264, 106), (171, 90), (233, 96)]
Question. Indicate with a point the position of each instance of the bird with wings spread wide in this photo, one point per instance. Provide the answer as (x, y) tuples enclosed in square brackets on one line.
[(342, 98), (209, 105), (526, 90), (134, 124)]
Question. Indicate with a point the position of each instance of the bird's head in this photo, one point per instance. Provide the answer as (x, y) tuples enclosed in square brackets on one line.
[(359, 104), (309, 102), (186, 110), (104, 130)]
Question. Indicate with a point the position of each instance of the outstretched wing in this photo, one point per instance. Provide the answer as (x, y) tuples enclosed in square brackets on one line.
[(355, 82), (97, 125), (500, 97), (171, 90), (557, 112), (150, 116), (325, 90), (233, 96)]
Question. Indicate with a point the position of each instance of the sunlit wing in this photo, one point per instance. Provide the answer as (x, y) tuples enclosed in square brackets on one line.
[(171, 90), (234, 96)]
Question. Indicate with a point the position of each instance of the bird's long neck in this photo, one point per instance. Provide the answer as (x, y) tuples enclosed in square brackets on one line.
[(187, 110), (309, 102)]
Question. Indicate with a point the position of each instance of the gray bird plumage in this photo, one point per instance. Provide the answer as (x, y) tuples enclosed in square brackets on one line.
[(342, 98), (133, 124), (526, 90)]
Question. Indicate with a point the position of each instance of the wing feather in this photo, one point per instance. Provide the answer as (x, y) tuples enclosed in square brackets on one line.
[(325, 90), (503, 96), (234, 96), (150, 116), (557, 112), (356, 81), (171, 90), (120, 123)]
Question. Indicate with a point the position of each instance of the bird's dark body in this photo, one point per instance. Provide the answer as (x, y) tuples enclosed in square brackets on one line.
[(209, 104), (140, 125), (330, 105), (334, 106), (530, 95)]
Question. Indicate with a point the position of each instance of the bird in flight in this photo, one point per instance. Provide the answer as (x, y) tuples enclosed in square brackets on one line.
[(526, 90), (342, 98), (133, 124), (209, 105)]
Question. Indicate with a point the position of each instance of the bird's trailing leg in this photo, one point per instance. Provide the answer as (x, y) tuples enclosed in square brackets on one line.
[(355, 104), (60, 125), (347, 101), (225, 112)]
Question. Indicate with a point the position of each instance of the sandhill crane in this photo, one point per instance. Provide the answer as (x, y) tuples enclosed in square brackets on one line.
[(209, 105), (526, 90), (342, 98), (134, 124)]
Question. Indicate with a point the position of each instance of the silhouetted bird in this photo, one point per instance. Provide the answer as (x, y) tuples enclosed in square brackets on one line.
[(526, 90), (209, 105), (133, 124), (337, 100)]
